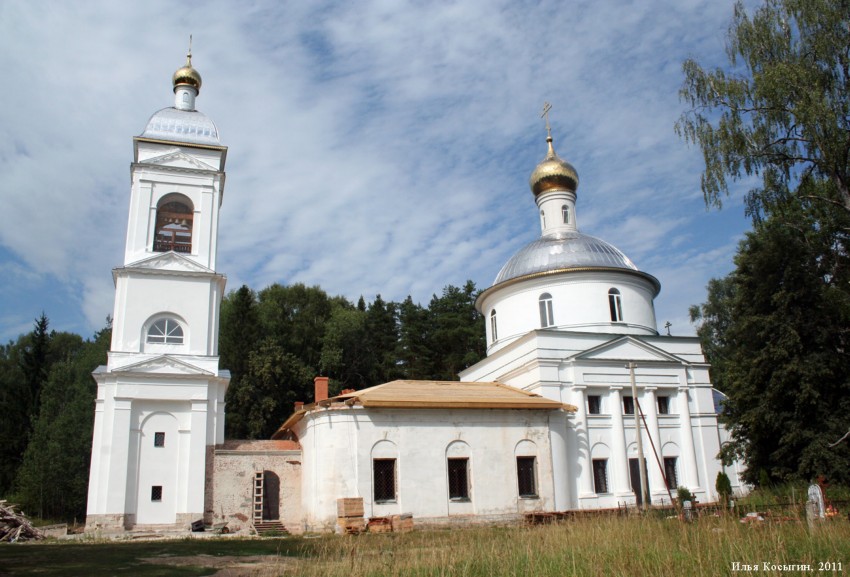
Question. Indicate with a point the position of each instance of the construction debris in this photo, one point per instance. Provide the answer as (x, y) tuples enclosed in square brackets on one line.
[(14, 526)]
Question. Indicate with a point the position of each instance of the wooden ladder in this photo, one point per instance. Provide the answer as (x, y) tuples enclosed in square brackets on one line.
[(258, 497)]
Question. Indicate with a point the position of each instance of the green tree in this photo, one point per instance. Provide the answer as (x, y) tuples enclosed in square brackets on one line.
[(345, 350), (52, 480), (275, 380), (382, 334), (457, 336), (14, 426), (784, 357), (781, 111)]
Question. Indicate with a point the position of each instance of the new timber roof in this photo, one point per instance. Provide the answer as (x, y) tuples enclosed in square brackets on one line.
[(433, 395)]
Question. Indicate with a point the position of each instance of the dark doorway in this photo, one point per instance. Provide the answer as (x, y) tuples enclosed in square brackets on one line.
[(634, 476), (271, 496)]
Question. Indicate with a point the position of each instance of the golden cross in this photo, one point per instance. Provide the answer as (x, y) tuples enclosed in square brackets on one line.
[(545, 114)]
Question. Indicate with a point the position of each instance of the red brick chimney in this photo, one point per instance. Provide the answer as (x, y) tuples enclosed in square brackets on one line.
[(321, 388)]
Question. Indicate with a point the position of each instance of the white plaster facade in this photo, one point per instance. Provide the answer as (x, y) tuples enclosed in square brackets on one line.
[(160, 398), (565, 317), (340, 446)]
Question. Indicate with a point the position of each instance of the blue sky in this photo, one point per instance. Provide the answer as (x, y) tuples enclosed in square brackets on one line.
[(374, 147)]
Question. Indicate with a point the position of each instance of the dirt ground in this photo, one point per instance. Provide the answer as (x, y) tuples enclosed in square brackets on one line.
[(233, 566)]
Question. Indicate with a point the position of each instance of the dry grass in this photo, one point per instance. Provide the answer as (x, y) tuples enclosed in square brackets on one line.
[(601, 546)]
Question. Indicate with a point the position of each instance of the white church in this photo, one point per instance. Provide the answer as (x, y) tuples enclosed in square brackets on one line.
[(545, 423)]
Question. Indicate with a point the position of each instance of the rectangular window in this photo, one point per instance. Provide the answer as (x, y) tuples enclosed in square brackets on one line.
[(159, 439), (600, 475), (628, 406), (156, 493), (384, 480), (594, 404), (670, 473), (526, 477), (458, 479), (663, 405)]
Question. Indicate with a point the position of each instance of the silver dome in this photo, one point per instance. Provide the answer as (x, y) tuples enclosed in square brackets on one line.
[(563, 251), (182, 126)]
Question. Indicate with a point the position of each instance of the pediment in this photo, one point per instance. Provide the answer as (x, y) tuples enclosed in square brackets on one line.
[(170, 261), (163, 365), (176, 158), (628, 348)]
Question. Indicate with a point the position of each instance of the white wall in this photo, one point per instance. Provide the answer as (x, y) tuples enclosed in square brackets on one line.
[(339, 445), (579, 302)]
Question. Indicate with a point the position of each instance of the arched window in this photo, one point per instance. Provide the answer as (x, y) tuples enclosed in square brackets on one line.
[(166, 331), (542, 219), (565, 214), (493, 333), (616, 305), (547, 319), (174, 215)]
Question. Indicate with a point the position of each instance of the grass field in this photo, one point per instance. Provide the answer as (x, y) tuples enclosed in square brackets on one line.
[(600, 546)]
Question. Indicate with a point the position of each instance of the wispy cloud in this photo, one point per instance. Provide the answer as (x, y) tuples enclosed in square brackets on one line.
[(375, 147)]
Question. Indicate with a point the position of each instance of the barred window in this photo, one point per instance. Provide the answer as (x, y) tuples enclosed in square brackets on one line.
[(156, 493), (594, 404), (159, 439), (600, 475), (663, 405), (628, 406), (459, 479), (526, 477), (384, 480)]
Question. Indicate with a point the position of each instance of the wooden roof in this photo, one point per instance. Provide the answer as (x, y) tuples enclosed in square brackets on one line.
[(435, 395)]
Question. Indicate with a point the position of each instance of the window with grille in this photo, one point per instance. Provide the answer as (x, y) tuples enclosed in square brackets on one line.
[(384, 480), (547, 319), (670, 473), (600, 475), (165, 331), (526, 477), (616, 305), (663, 405), (459, 479), (156, 493), (628, 406), (594, 404), (159, 439)]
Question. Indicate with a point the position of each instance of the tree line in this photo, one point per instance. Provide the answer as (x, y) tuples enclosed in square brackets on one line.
[(777, 329), (274, 341), (277, 340)]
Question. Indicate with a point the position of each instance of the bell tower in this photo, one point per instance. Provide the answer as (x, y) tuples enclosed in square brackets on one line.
[(160, 399)]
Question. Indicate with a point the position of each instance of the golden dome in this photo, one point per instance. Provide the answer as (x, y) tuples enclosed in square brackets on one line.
[(187, 76), (553, 173)]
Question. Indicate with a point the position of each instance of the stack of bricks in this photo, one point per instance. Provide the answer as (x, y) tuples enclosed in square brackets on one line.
[(349, 515), (402, 523)]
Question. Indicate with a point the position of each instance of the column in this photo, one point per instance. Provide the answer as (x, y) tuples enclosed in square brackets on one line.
[(650, 411), (119, 463), (582, 435), (689, 460), (619, 459), (197, 457)]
